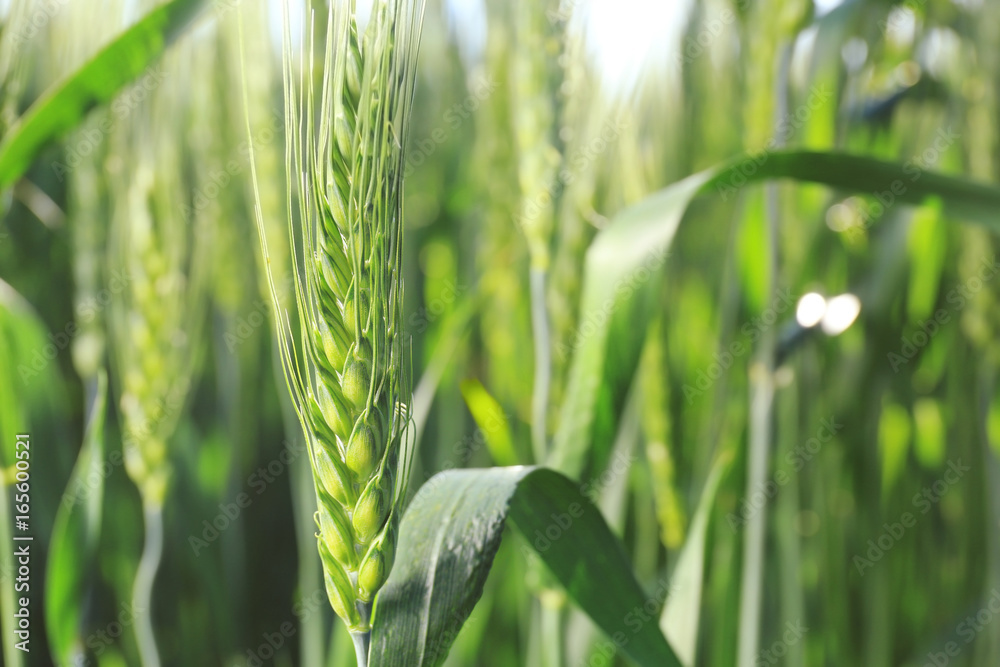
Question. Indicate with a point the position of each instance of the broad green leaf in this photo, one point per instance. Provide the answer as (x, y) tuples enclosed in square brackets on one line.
[(75, 536), (624, 268), (679, 620), (491, 420), (449, 537), (23, 387), (63, 106)]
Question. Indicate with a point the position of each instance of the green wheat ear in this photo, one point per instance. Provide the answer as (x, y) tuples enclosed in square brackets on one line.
[(348, 368)]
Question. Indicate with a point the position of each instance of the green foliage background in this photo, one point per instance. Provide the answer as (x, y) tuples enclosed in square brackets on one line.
[(521, 153)]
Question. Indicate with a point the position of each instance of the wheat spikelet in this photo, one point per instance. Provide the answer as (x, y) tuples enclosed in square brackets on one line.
[(501, 258), (155, 322), (573, 232), (536, 81), (348, 371)]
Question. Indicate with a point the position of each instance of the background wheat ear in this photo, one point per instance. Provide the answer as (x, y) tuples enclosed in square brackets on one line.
[(156, 321), (347, 370)]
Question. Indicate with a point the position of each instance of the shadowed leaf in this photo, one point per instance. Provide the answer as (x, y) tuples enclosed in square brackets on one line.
[(449, 537)]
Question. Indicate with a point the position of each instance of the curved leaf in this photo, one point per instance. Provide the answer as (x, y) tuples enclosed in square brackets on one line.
[(624, 268), (64, 105), (75, 536), (447, 542), (491, 420), (681, 614)]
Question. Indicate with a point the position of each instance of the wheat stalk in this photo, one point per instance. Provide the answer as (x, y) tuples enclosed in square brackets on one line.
[(155, 321), (348, 370), (502, 253), (538, 161)]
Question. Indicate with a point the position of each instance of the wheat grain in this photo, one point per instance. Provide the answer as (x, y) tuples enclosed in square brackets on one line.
[(348, 370)]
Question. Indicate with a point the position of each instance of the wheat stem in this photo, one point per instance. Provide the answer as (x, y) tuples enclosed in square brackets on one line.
[(552, 629), (761, 418), (362, 640), (142, 589), (543, 362), (361, 643)]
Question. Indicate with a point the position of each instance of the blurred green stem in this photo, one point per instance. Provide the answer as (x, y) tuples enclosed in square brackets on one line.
[(362, 640), (142, 590), (543, 362), (786, 510), (751, 583), (762, 404), (552, 630)]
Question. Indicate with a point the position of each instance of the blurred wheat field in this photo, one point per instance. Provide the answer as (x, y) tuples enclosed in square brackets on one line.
[(718, 274)]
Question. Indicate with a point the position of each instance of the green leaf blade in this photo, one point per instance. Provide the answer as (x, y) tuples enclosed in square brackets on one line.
[(491, 420), (616, 290), (65, 104), (439, 576), (447, 543), (590, 563), (681, 615)]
